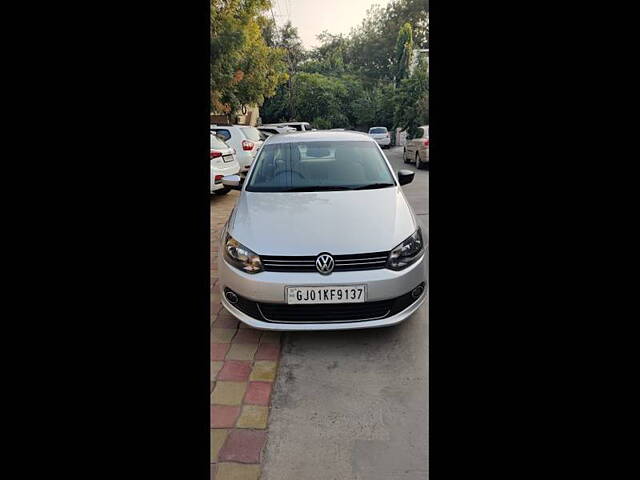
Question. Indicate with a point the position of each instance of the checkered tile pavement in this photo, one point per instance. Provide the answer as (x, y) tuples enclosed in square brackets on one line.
[(244, 364)]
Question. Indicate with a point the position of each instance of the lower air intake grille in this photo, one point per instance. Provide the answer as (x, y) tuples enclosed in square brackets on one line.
[(325, 313)]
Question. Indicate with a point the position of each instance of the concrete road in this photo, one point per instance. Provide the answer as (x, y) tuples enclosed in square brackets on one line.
[(353, 405)]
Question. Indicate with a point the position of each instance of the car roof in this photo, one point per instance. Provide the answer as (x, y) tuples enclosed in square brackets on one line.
[(320, 136), (377, 127)]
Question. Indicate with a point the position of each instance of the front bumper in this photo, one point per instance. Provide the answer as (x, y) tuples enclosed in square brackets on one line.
[(269, 288)]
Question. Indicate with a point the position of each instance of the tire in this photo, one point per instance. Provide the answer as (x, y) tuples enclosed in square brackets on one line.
[(222, 191), (404, 155), (419, 164)]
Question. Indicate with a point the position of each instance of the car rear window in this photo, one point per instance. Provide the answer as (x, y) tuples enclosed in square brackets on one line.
[(378, 130), (223, 132), (251, 133), (217, 143)]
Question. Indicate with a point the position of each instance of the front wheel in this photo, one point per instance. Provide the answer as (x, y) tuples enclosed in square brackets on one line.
[(419, 164), (404, 155)]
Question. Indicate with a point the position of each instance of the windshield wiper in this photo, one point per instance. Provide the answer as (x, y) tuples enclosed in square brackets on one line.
[(372, 186), (316, 188)]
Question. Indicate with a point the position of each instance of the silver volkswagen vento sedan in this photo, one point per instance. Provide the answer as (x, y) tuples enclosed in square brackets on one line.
[(322, 237)]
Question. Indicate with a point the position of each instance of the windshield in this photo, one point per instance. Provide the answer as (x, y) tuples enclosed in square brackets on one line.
[(217, 143), (378, 130), (318, 166), (251, 133)]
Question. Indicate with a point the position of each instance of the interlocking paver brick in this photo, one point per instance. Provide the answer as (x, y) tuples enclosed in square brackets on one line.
[(243, 446), (270, 337), (222, 335), (237, 471), (242, 351), (219, 350), (268, 351), (218, 436), (223, 416), (263, 371), (228, 393), (253, 416), (225, 320), (238, 353), (235, 371), (258, 393), (247, 335), (215, 368)]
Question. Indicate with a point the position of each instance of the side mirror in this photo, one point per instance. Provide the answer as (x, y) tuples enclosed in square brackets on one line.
[(404, 176), (233, 181)]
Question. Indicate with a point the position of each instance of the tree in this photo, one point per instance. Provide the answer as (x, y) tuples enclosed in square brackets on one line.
[(404, 51), (372, 43), (412, 100), (244, 69)]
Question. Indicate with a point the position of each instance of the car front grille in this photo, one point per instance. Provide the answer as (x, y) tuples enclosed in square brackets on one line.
[(343, 263)]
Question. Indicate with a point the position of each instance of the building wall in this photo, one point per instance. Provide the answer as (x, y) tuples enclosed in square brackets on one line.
[(250, 118)]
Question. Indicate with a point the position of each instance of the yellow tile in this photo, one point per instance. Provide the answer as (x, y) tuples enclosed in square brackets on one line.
[(228, 393), (253, 416), (222, 335), (218, 436), (242, 351), (237, 471), (263, 371), (215, 368)]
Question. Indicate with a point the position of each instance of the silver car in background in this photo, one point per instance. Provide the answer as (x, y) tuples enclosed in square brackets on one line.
[(322, 237)]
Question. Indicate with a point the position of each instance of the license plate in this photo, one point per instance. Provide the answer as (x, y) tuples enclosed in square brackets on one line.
[(227, 158), (332, 294)]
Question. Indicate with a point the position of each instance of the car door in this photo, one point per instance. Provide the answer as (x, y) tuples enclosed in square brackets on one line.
[(409, 146), (415, 142)]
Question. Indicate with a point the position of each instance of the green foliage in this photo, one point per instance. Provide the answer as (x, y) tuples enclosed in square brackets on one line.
[(372, 44), (404, 51), (412, 100), (347, 81), (244, 69)]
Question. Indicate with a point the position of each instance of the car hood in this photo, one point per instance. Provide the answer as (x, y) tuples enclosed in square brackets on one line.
[(309, 223)]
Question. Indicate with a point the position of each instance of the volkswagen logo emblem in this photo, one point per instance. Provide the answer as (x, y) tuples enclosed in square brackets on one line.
[(325, 264)]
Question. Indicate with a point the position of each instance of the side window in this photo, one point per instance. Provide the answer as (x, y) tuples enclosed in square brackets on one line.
[(225, 134)]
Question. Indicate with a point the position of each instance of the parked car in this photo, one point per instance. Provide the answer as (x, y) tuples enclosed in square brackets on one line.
[(223, 162), (275, 129), (416, 149), (381, 135), (244, 139), (264, 135), (322, 237), (299, 126)]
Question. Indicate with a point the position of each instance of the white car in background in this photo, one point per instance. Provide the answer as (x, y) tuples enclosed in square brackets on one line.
[(245, 140), (223, 163), (275, 129), (299, 126), (381, 136)]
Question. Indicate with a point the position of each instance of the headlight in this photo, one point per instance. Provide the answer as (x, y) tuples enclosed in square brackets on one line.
[(407, 252), (240, 256)]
